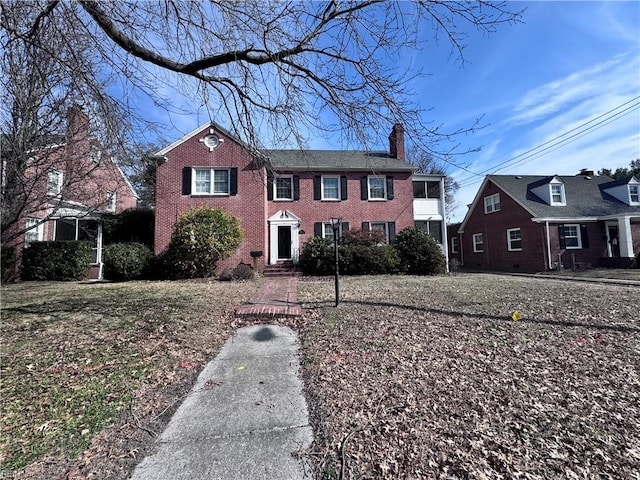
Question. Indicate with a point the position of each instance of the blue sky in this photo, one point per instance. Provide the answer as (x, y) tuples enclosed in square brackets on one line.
[(566, 80)]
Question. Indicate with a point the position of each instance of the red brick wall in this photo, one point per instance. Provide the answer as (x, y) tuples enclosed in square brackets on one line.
[(248, 205), (494, 227), (353, 209)]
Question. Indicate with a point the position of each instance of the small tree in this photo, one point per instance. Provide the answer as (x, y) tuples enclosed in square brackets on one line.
[(419, 252), (201, 238)]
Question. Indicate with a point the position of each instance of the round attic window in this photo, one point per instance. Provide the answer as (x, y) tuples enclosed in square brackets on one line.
[(211, 141)]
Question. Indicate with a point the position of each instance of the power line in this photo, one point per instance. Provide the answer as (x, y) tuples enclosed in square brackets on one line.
[(559, 140)]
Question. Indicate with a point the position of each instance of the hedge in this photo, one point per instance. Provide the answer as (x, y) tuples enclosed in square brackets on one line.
[(57, 260)]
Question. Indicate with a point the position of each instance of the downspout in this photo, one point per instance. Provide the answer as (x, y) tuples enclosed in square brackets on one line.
[(548, 244), (445, 239)]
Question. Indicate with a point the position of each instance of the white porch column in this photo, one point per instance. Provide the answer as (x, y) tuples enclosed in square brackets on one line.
[(625, 241)]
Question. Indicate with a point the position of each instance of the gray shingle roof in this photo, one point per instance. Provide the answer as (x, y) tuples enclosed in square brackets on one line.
[(336, 160), (585, 196)]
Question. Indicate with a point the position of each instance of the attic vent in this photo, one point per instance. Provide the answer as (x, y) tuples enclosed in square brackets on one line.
[(518, 177), (588, 177)]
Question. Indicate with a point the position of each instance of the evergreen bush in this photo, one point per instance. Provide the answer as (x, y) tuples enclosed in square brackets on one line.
[(317, 257), (58, 260), (126, 261), (419, 252)]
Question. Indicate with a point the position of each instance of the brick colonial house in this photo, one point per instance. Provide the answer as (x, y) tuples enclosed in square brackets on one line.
[(70, 182), (284, 197), (535, 223)]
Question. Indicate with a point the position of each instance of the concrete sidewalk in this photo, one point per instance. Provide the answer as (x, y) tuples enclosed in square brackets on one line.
[(243, 419)]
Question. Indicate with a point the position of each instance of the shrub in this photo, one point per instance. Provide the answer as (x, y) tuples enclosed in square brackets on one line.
[(9, 264), (126, 261), (201, 237), (241, 272), (67, 260), (419, 252), (369, 260), (317, 257)]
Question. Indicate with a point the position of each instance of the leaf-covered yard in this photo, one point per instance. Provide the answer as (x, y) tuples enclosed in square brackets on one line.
[(431, 378), (409, 377)]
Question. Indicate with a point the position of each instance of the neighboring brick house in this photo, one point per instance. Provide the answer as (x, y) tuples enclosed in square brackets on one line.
[(455, 251), (536, 223), (284, 197), (70, 182)]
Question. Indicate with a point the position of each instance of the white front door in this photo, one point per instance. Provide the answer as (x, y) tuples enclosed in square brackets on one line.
[(284, 243)]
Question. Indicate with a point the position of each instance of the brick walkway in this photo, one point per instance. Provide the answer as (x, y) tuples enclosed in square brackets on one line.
[(277, 298)]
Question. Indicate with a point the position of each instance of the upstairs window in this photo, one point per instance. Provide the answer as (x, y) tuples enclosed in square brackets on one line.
[(283, 186), (557, 194), (492, 203), (210, 181), (634, 194), (377, 188), (111, 201), (54, 183), (426, 189), (330, 189)]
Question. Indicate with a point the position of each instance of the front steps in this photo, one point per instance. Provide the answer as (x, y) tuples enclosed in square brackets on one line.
[(282, 269)]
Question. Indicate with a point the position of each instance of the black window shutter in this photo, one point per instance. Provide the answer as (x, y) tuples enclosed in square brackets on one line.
[(343, 187), (233, 181), (317, 229), (584, 235), (345, 227), (392, 231), (186, 181), (364, 189), (269, 187), (389, 188), (296, 187), (317, 187), (563, 243), (365, 226)]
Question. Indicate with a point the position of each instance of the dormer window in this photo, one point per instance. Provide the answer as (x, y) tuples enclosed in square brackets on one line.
[(634, 194), (557, 194)]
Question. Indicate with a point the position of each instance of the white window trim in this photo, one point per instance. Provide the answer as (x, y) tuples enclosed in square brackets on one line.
[(578, 236), (490, 203), (111, 201), (322, 195), (563, 198), (476, 243), (386, 229), (211, 182), (384, 185), (637, 195), (275, 189), (509, 239), (38, 230), (454, 244), (54, 192)]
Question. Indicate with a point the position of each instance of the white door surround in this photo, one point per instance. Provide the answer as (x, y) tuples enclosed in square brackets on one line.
[(284, 218)]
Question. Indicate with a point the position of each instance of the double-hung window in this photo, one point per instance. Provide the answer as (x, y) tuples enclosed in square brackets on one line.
[(283, 187), (634, 194), (330, 189), (454, 244), (34, 231), (111, 201), (426, 189), (557, 194), (211, 181), (54, 183), (478, 242), (492, 203), (572, 237), (377, 188), (514, 240), (431, 227)]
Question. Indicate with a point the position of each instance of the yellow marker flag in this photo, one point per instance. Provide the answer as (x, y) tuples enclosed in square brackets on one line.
[(516, 315)]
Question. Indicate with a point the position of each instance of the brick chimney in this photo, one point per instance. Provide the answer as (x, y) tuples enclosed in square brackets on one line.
[(396, 142), (77, 124)]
